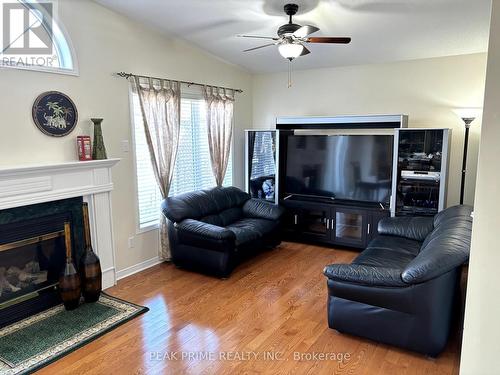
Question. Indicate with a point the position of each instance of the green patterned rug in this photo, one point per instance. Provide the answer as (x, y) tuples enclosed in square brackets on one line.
[(43, 338)]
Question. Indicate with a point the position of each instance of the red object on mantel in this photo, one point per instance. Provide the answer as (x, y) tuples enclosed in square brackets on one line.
[(84, 147)]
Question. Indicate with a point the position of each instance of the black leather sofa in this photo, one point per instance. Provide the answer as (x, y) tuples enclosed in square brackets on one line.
[(213, 230), (402, 289)]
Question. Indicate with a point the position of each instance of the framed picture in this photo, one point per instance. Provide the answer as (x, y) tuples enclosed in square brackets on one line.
[(55, 114)]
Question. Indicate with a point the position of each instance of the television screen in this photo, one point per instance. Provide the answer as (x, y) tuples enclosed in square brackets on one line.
[(350, 167)]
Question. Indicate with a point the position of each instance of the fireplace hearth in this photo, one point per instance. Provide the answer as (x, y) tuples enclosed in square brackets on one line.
[(32, 255)]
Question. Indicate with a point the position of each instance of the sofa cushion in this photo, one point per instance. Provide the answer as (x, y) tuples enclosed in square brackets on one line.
[(400, 244), (212, 219), (251, 229), (199, 234), (384, 257), (230, 215), (413, 228), (203, 203), (257, 208), (223, 218)]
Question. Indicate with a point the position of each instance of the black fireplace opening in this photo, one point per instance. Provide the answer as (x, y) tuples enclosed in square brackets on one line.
[(33, 254)]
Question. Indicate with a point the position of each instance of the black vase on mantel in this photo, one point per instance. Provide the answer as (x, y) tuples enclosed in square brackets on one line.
[(69, 281), (90, 266), (99, 150)]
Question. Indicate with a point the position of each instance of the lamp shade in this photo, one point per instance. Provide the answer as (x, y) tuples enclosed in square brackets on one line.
[(290, 50), (468, 113)]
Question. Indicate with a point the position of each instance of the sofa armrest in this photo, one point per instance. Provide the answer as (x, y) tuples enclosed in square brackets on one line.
[(257, 208), (365, 275), (413, 228)]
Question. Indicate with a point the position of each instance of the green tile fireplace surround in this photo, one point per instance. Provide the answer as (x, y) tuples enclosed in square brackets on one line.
[(32, 255)]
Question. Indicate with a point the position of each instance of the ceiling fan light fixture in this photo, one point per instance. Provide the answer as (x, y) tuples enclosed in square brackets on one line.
[(292, 39), (290, 50)]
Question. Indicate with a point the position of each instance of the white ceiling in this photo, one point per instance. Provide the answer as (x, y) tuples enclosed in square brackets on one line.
[(381, 30)]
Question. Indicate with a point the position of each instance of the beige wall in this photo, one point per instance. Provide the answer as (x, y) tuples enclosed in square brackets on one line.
[(105, 43), (426, 90), (481, 340)]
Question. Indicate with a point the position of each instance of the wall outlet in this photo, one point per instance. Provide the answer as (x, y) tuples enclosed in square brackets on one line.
[(125, 145), (131, 242)]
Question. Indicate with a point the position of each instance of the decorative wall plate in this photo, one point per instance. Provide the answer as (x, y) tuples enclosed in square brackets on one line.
[(55, 114)]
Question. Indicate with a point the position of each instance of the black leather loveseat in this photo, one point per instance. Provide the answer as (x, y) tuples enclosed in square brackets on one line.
[(402, 289), (212, 230)]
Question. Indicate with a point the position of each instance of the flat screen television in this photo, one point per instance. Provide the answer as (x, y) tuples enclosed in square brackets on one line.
[(344, 167)]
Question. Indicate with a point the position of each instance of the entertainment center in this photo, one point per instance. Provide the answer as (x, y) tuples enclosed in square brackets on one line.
[(331, 222), (338, 177)]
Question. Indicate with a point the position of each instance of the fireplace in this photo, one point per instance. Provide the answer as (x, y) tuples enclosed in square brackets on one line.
[(32, 255), (43, 196)]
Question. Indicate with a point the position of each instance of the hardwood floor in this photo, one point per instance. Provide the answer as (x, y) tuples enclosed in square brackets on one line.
[(272, 305)]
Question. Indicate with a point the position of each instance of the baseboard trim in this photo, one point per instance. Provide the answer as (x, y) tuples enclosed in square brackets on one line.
[(108, 278), (129, 271)]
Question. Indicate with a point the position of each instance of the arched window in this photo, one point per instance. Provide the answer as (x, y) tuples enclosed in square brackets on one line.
[(33, 38)]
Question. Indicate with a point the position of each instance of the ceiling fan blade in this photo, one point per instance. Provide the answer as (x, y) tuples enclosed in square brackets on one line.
[(305, 31), (328, 39), (257, 37), (305, 51), (254, 48)]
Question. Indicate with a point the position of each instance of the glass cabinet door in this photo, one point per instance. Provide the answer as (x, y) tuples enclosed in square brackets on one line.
[(315, 223), (350, 227), (261, 164)]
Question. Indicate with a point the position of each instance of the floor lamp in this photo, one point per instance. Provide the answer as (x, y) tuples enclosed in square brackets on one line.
[(468, 115)]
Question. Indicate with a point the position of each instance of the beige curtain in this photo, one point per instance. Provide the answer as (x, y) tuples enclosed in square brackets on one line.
[(160, 102), (220, 107)]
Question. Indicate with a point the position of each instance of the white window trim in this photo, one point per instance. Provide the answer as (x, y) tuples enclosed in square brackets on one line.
[(153, 227)]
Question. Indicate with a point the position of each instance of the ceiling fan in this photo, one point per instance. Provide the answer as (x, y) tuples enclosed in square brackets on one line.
[(291, 37)]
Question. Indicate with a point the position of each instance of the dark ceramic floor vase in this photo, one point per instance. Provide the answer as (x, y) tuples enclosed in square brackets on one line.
[(90, 266), (69, 282)]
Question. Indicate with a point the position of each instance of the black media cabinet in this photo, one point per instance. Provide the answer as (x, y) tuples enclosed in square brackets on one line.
[(321, 220), (331, 222)]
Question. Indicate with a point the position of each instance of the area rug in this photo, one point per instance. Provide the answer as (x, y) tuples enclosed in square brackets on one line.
[(43, 338)]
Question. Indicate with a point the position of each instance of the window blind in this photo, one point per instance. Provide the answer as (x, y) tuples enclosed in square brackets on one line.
[(193, 170)]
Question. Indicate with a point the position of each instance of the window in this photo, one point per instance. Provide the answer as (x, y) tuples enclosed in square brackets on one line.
[(193, 170), (34, 38)]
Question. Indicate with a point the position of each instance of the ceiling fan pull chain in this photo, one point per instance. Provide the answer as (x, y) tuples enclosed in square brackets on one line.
[(289, 73)]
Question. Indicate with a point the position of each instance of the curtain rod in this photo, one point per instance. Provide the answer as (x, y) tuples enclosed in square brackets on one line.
[(128, 75)]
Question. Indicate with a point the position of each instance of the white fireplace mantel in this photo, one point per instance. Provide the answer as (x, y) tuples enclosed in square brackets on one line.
[(92, 180)]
